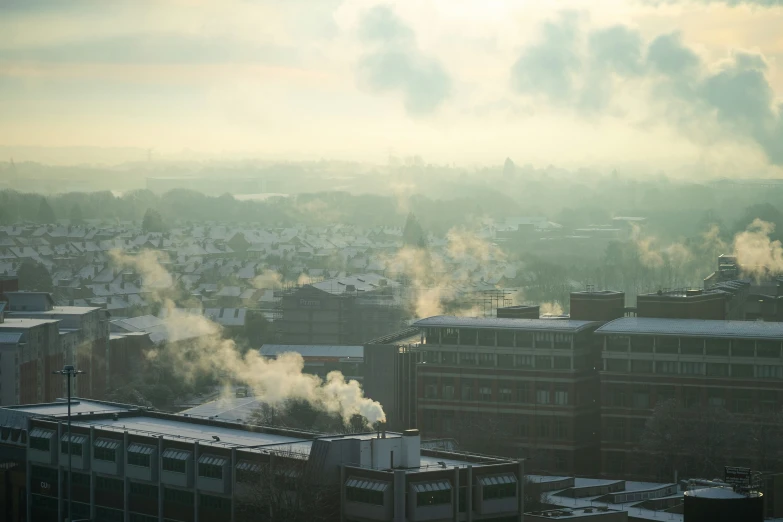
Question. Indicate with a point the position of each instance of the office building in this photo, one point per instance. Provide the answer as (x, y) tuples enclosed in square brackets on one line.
[(137, 465)]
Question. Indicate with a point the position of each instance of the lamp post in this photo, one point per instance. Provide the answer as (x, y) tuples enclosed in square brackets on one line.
[(69, 371)]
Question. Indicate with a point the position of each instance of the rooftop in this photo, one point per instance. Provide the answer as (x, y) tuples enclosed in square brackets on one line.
[(568, 325), (693, 327), (78, 406), (272, 350)]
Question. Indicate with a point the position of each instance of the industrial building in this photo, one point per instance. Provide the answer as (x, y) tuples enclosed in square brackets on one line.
[(734, 365), (134, 465), (348, 310), (519, 387)]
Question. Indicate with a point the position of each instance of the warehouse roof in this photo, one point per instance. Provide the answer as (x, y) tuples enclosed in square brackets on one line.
[(693, 327), (448, 321)]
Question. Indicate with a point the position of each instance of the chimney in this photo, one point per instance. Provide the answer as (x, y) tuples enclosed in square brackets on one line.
[(411, 449)]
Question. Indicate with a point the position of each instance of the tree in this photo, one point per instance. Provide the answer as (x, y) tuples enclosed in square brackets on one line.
[(45, 212), (413, 234), (34, 276), (153, 222), (76, 216)]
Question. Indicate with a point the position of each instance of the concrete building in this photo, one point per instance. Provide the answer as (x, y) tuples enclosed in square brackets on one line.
[(735, 365), (137, 465), (342, 311), (725, 301), (522, 387)]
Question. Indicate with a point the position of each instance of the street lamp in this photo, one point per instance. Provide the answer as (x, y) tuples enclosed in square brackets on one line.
[(69, 371)]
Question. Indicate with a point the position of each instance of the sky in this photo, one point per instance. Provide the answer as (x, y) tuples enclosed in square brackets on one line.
[(568, 82)]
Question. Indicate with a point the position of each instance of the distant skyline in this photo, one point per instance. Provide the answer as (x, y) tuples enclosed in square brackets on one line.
[(568, 82)]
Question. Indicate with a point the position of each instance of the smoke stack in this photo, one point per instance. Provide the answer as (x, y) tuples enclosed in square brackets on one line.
[(411, 449), (383, 430)]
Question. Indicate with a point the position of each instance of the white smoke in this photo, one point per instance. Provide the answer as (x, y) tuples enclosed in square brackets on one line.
[(551, 309), (756, 253), (206, 352)]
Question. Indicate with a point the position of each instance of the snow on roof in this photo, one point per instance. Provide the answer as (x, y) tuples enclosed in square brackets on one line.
[(693, 327)]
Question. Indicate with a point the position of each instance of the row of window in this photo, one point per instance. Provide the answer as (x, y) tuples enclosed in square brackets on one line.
[(694, 368), (506, 338), (694, 346), (430, 498), (521, 426), (503, 360), (738, 401), (365, 496), (506, 392)]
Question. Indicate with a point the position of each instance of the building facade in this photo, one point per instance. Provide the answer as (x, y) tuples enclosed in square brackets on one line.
[(519, 387)]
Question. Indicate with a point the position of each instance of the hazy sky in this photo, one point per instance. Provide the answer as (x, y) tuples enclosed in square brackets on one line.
[(466, 81)]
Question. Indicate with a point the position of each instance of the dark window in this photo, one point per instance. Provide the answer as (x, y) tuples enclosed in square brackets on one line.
[(667, 344), (174, 465), (562, 363), (109, 485), (742, 401), (432, 356), (467, 336), (616, 365), (641, 366), (42, 474), (448, 388), (485, 391), (138, 459), (561, 429), (523, 393), (433, 498), (615, 429), (562, 341), (467, 392), (742, 348), (486, 359), (692, 397), (543, 362), (692, 368), (716, 397), (641, 399), (637, 429), (617, 343), (665, 393), (449, 336), (76, 448), (642, 344), (523, 361), (40, 443), (717, 369), (617, 396), (248, 476), (542, 396), (505, 392), (768, 349), (448, 357), (494, 491), (213, 502), (178, 496), (505, 338), (543, 427), (79, 479), (105, 514), (138, 517), (615, 462), (742, 370), (213, 471), (717, 347), (691, 346), (138, 489), (524, 340), (107, 454), (667, 367), (486, 337), (505, 360), (430, 388), (768, 401), (468, 359)]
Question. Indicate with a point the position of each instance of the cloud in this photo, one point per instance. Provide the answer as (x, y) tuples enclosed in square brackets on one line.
[(730, 3), (394, 63), (732, 99)]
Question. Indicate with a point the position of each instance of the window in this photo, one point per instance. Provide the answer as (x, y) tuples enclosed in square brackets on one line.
[(768, 349), (364, 496), (486, 359), (144, 490), (39, 443), (213, 471), (769, 372), (486, 337), (494, 491), (665, 393), (505, 393), (561, 397), (448, 388), (715, 398), (742, 401), (248, 473), (105, 514), (543, 362), (431, 388), (717, 370), (109, 485), (449, 336), (433, 498), (107, 454), (617, 396), (562, 363), (213, 502), (467, 358), (432, 356), (138, 459), (485, 392), (692, 397), (641, 399), (542, 396), (768, 401), (692, 368), (543, 340), (617, 343), (741, 370), (562, 341), (174, 465), (691, 346), (42, 474), (717, 347), (76, 448), (523, 361), (561, 429), (743, 348), (667, 345), (616, 365), (138, 517), (642, 344), (467, 392), (615, 429), (543, 428), (641, 366), (524, 340), (523, 394), (615, 462), (467, 337), (505, 360), (521, 428), (178, 496), (448, 357), (637, 429), (666, 367), (505, 338)]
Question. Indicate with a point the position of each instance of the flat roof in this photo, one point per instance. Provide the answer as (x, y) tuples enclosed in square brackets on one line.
[(693, 327), (60, 310), (308, 350), (60, 407), (22, 322), (447, 321)]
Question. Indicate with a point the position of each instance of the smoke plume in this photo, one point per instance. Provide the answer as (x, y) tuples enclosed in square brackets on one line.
[(553, 309), (206, 352), (756, 253)]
